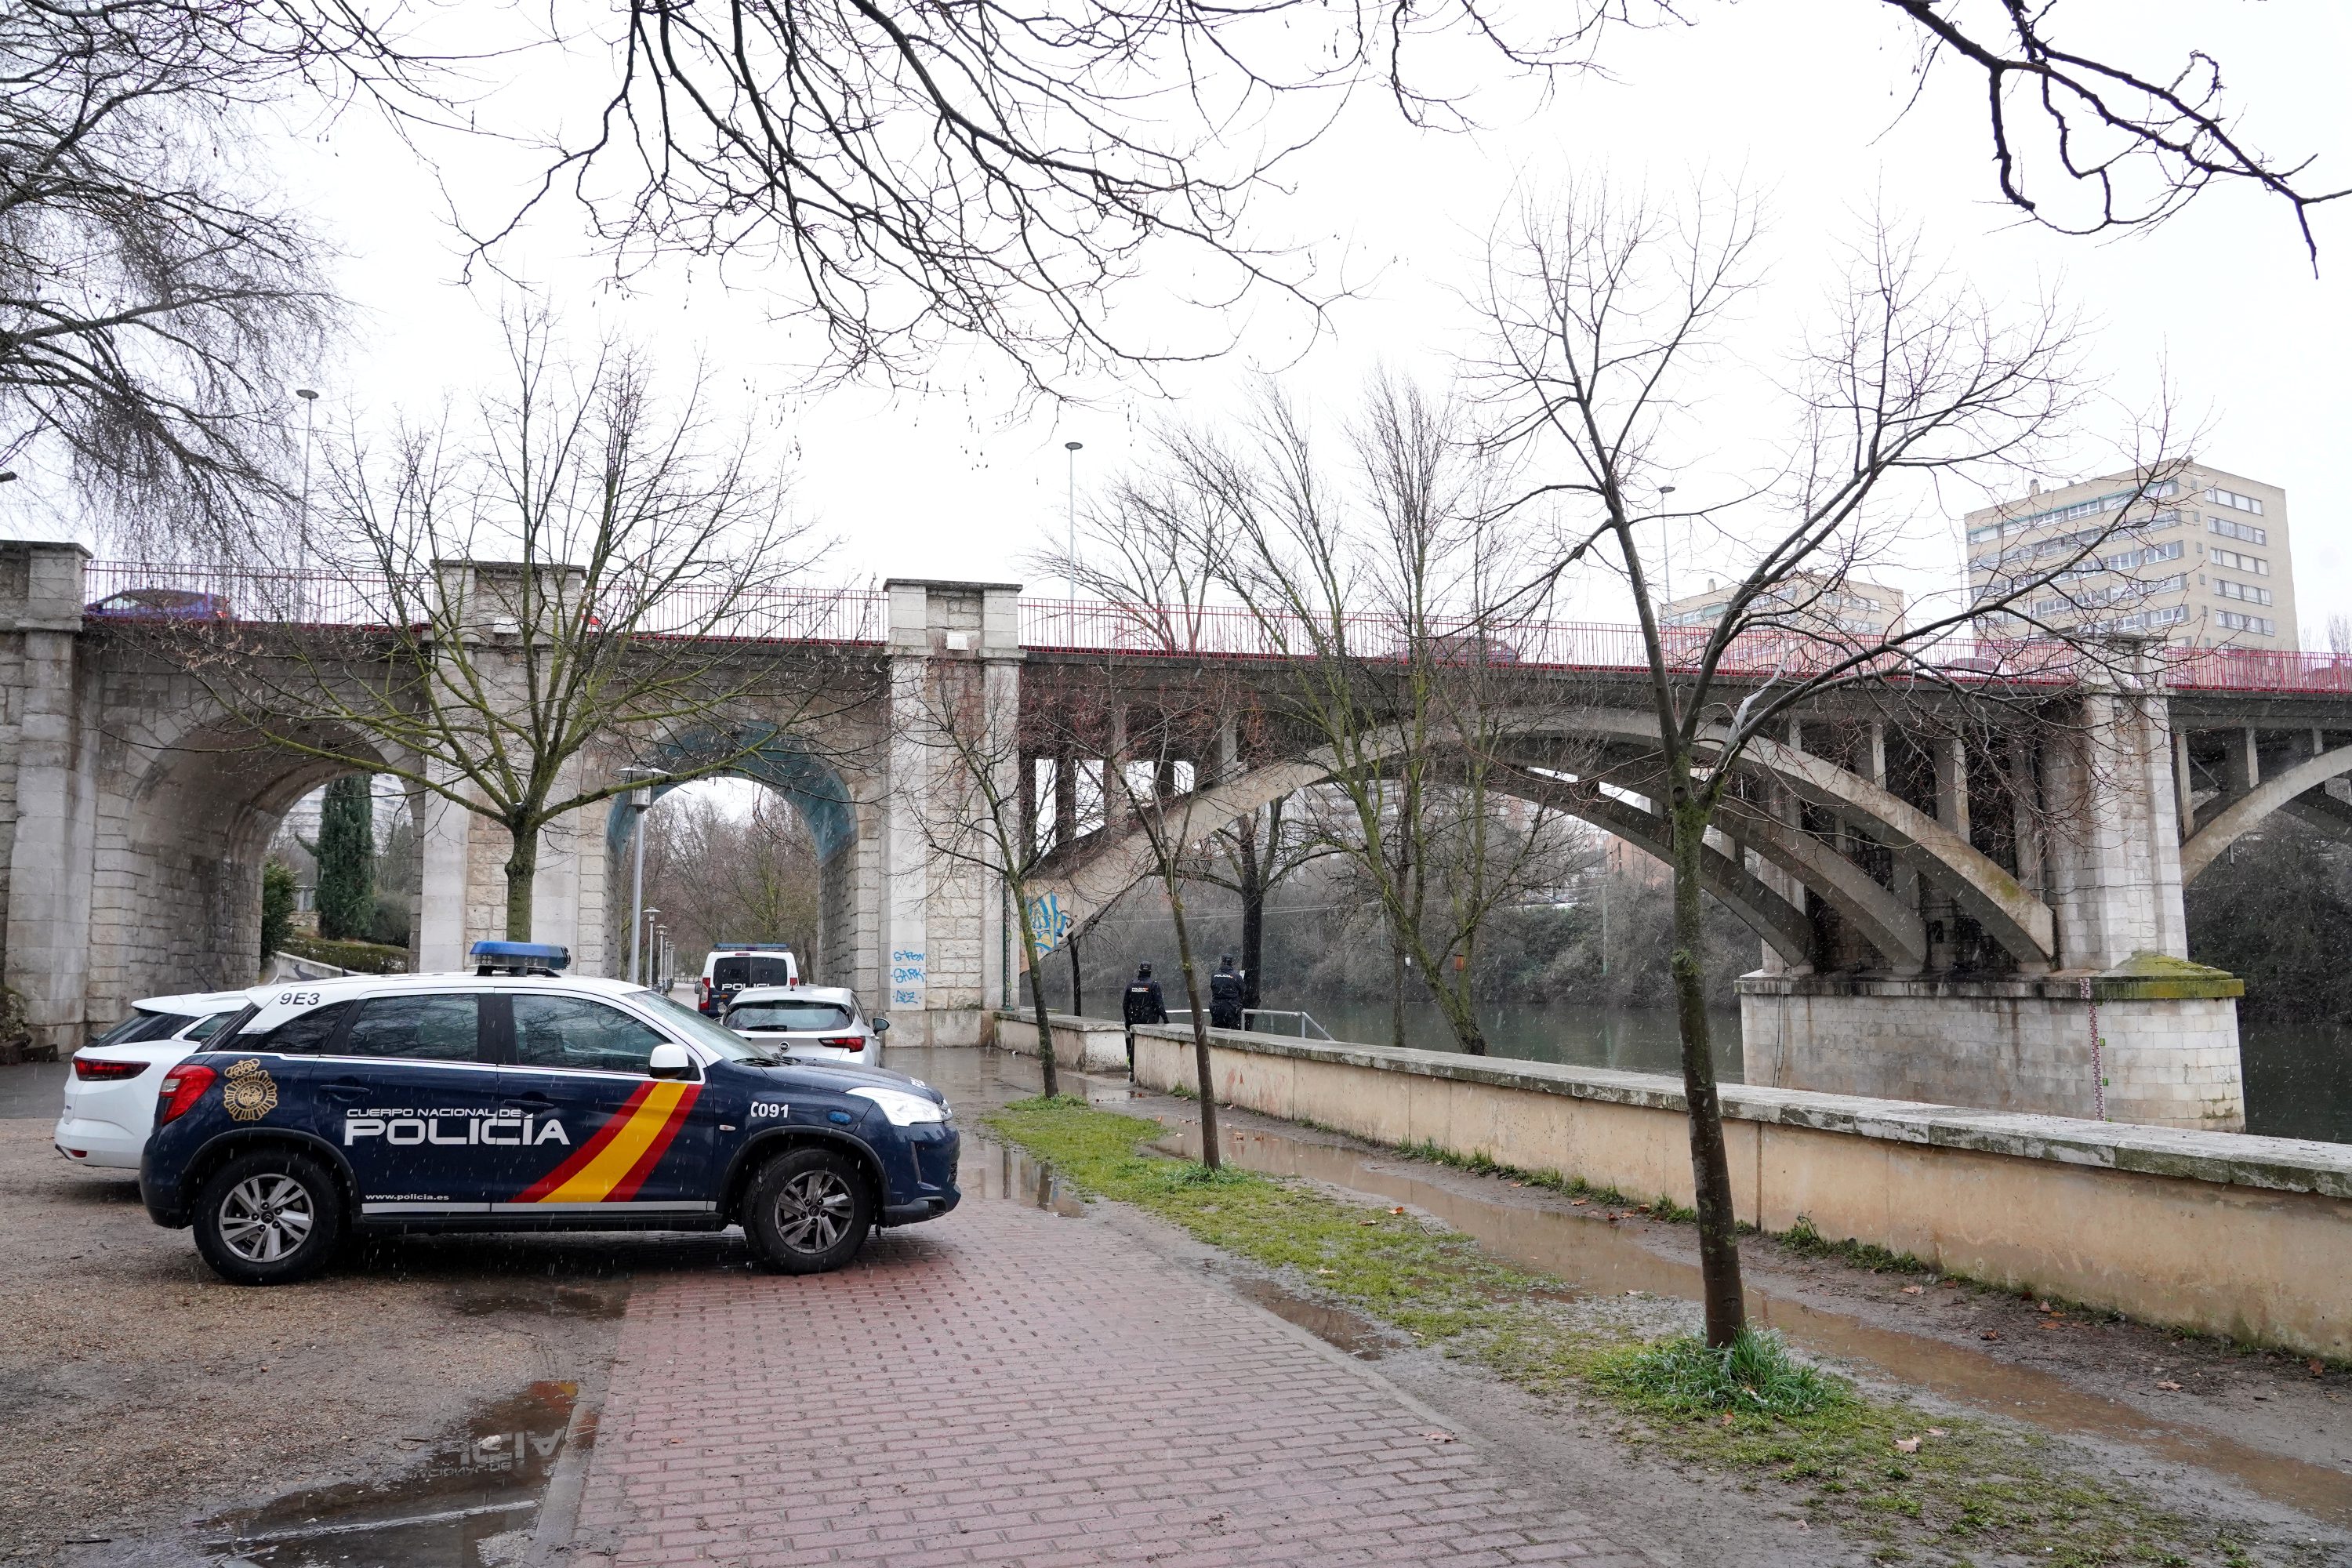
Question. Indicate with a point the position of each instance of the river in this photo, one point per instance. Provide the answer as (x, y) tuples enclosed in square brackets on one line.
[(2298, 1079)]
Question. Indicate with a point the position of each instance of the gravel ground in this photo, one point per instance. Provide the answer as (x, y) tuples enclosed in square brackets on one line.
[(139, 1393)]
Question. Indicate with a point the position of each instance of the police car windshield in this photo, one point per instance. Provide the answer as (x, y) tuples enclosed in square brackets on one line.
[(721, 1042)]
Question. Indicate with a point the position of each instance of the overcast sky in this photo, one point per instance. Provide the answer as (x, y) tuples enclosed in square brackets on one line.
[(1798, 99)]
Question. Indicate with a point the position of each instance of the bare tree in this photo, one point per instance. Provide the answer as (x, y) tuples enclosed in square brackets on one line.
[(1158, 772), (589, 575), (908, 175), (1382, 588), (157, 303), (1607, 313)]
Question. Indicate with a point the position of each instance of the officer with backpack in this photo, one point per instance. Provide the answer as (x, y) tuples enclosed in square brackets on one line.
[(1141, 1003), (1225, 996)]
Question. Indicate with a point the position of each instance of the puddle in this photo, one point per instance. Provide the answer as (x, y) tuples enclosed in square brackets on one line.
[(1597, 1258), (995, 1169), (1351, 1331), (472, 1504)]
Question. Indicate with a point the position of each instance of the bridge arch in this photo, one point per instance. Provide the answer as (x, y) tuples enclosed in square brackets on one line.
[(802, 774), (184, 815), (1093, 870), (2223, 822)]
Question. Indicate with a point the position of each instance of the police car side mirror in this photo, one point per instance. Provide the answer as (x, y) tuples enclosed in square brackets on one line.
[(670, 1060), (881, 1025)]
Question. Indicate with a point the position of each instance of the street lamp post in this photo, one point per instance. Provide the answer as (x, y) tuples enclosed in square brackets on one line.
[(1071, 500), (640, 800)]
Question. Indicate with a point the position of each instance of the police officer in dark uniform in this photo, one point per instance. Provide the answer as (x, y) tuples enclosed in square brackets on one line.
[(1141, 1004), (1225, 996)]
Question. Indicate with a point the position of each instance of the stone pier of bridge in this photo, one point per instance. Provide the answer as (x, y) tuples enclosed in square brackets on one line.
[(1946, 914)]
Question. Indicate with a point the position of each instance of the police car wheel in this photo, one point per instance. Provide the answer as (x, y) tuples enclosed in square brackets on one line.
[(808, 1211), (269, 1218)]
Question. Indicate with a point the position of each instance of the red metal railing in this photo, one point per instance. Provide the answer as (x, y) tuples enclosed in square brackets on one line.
[(325, 596), (320, 597)]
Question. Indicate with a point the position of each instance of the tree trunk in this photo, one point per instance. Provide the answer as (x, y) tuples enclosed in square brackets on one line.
[(1396, 989), (1203, 1081), (1046, 1063), (1077, 986), (521, 866), (1718, 1238), (1253, 939)]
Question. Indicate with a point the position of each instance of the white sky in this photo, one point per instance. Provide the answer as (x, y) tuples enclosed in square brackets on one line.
[(1800, 96)]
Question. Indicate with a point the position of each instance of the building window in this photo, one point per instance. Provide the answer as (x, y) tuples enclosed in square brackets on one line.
[(2244, 531), (2259, 624), (2245, 592), (2235, 501), (2237, 563)]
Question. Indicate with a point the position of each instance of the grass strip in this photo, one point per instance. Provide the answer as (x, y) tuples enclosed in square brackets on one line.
[(1942, 1490)]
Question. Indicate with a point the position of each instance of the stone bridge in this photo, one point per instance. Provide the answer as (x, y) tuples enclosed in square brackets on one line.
[(1950, 907)]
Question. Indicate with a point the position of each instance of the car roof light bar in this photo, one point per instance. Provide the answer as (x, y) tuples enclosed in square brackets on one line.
[(519, 957), (754, 947)]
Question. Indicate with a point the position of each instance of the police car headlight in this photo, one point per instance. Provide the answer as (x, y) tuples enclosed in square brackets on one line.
[(904, 1110)]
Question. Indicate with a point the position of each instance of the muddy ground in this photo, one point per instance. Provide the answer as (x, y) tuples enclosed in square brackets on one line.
[(139, 1394)]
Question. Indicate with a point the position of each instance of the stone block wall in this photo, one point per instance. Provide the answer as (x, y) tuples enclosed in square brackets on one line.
[(2021, 1045)]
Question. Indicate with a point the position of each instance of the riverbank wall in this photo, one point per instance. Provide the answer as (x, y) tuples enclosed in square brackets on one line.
[(2216, 1232)]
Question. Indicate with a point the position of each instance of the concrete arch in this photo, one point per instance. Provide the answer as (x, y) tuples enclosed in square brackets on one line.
[(1770, 915), (2230, 818), (177, 856), (2011, 916), (1090, 874)]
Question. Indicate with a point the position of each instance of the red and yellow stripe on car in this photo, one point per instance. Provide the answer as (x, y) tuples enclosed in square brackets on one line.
[(611, 1166)]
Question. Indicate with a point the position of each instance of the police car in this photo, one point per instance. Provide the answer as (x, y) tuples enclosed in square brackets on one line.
[(515, 1099)]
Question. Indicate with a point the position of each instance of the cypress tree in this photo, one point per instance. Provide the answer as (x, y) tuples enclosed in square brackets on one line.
[(347, 859)]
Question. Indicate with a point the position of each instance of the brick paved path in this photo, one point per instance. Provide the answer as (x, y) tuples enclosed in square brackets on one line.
[(1011, 1386)]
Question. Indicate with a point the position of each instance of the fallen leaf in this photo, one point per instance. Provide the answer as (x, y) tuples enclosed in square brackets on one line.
[(1907, 1445), (1577, 1203), (2318, 1369), (1914, 1290), (1518, 1183), (1938, 1432), (1990, 1334), (2170, 1384), (1726, 1418), (2051, 1324), (1441, 1436), (2043, 1306), (1368, 1221), (1398, 1209)]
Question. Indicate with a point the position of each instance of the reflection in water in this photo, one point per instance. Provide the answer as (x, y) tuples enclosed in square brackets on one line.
[(2298, 1079), (1597, 1258), (463, 1510)]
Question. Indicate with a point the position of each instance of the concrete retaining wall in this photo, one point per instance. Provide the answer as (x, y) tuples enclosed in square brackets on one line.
[(2218, 1232), (1088, 1045), (2167, 1035)]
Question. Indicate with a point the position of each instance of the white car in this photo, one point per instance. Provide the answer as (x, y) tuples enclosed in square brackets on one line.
[(814, 1023), (110, 1098)]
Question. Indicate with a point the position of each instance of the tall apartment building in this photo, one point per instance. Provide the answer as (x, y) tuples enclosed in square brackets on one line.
[(2202, 558), (1806, 600)]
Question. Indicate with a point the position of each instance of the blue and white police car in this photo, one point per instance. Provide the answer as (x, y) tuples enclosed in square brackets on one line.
[(516, 1098)]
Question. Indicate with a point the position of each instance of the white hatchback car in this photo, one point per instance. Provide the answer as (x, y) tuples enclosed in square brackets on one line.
[(814, 1023), (110, 1098)]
